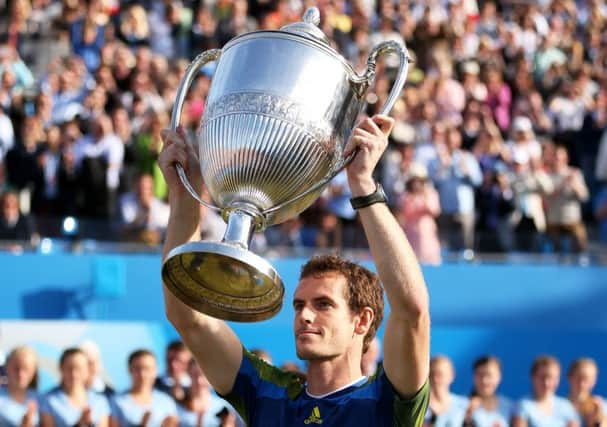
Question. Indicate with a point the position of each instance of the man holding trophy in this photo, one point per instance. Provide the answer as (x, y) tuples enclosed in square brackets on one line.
[(270, 140)]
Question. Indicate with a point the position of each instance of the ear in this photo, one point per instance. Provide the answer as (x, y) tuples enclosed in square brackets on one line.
[(365, 319)]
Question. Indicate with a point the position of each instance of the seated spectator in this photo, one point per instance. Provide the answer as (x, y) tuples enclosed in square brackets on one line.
[(564, 203), (544, 407), (13, 224), (71, 403), (176, 380), (142, 404), (487, 408), (143, 217), (94, 381), (201, 405), (582, 376), (446, 408), (418, 208), (18, 400)]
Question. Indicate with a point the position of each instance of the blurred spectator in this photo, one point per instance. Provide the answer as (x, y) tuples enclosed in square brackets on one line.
[(486, 407), (449, 96), (563, 203), (530, 184), (142, 404), (99, 155), (13, 224), (7, 134), (523, 143), (544, 407), (134, 29), (495, 202), (143, 216), (397, 161), (201, 405), (176, 380), (11, 62), (71, 403), (499, 96), (582, 377), (418, 208), (18, 400), (456, 173), (95, 379), (446, 408)]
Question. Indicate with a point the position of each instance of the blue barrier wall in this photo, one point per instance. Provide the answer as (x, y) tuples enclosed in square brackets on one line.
[(515, 312)]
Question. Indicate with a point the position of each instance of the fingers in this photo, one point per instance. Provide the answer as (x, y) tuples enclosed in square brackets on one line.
[(384, 123)]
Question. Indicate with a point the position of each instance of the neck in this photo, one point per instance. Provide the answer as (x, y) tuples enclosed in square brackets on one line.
[(140, 390), (17, 393), (543, 398), (74, 390), (440, 394), (326, 376), (578, 396)]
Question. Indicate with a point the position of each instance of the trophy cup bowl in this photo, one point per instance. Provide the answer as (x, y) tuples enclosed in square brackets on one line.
[(280, 110)]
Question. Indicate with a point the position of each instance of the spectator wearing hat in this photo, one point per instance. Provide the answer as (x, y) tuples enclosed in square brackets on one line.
[(418, 208), (523, 143), (530, 184)]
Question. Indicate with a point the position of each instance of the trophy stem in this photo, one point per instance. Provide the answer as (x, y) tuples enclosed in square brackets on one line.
[(241, 226)]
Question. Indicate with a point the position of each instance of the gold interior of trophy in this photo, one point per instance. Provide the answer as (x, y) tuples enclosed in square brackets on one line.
[(224, 286)]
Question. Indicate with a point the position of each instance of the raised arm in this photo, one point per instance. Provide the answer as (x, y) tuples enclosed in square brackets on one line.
[(212, 342), (407, 332)]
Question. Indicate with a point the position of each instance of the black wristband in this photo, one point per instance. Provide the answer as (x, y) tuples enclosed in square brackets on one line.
[(378, 196)]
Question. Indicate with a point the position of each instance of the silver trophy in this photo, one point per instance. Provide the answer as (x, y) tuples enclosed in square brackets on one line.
[(280, 110)]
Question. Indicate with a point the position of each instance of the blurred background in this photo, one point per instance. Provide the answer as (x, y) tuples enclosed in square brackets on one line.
[(496, 170)]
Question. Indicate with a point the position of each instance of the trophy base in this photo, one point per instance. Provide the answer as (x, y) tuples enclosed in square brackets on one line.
[(223, 281)]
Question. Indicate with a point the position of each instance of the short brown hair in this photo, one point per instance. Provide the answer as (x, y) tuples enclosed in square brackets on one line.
[(363, 287), (544, 360)]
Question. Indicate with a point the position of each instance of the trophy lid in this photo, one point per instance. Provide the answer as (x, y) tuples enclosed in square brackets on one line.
[(309, 27)]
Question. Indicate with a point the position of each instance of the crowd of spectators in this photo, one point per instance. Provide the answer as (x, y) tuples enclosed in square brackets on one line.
[(182, 395), (499, 143)]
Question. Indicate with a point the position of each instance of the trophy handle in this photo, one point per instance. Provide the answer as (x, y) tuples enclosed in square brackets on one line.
[(401, 75), (198, 62)]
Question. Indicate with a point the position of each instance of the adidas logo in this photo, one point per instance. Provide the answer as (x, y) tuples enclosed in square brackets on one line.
[(314, 417)]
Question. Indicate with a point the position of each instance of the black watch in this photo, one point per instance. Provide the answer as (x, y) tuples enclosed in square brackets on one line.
[(378, 196)]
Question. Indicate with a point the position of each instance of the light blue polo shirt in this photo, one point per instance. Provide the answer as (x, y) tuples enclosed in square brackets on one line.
[(562, 413), (56, 404), (128, 412), (11, 411)]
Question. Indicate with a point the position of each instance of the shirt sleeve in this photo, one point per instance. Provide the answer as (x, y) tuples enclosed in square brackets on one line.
[(253, 379), (412, 411)]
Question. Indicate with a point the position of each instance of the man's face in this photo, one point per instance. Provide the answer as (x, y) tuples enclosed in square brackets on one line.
[(177, 362), (546, 380), (323, 324), (143, 372)]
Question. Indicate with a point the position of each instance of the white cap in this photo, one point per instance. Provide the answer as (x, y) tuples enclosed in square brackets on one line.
[(522, 124)]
